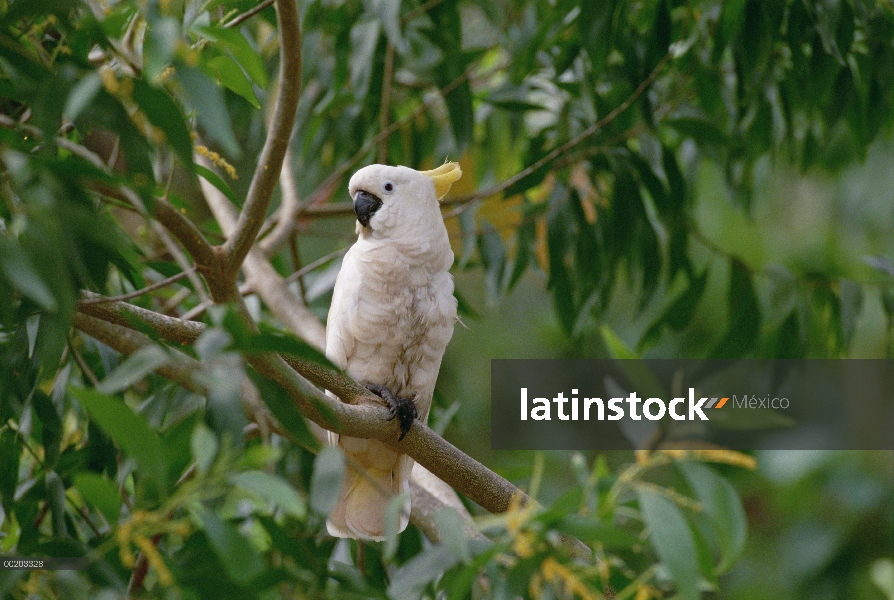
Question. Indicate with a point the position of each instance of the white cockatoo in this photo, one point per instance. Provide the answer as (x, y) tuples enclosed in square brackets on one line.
[(392, 314)]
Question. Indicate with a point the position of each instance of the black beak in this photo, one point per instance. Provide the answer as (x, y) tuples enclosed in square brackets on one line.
[(365, 205)]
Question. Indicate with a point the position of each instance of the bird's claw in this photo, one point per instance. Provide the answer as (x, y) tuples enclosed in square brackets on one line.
[(403, 409)]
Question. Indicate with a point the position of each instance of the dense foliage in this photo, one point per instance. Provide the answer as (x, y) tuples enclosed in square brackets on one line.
[(618, 154)]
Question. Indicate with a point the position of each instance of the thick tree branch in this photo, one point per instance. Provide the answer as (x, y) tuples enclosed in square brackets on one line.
[(262, 278), (278, 134), (429, 493), (359, 415), (127, 341), (289, 207)]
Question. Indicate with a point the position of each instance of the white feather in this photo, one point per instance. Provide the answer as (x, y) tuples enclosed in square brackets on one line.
[(391, 317)]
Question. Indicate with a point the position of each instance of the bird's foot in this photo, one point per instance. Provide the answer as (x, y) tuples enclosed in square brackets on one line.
[(403, 409)]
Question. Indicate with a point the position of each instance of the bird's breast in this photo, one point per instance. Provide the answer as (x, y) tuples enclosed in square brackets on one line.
[(403, 321)]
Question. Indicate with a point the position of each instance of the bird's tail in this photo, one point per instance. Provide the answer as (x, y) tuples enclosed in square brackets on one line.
[(360, 510)]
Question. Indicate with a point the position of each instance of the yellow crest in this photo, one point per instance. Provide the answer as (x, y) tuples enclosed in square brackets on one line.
[(444, 176)]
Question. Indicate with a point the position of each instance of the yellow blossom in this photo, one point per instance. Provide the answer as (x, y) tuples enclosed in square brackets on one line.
[(558, 573), (154, 558), (523, 545), (717, 455), (218, 160)]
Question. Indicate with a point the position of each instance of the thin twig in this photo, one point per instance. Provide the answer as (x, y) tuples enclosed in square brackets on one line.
[(238, 20), (175, 300), (289, 207), (149, 288), (180, 258), (82, 364), (278, 135), (297, 275), (295, 251)]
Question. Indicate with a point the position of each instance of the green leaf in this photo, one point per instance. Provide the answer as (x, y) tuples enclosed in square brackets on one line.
[(240, 49), (493, 256), (20, 272), (851, 294), (325, 485), (673, 540), (10, 455), (162, 36), (203, 447), (134, 368), (453, 535), (724, 508), (240, 559), (165, 114), (51, 427), (525, 253), (461, 112), (468, 227), (744, 315), (129, 430), (81, 95), (101, 493), (597, 24), (593, 531), (388, 13), (678, 314), (207, 102), (615, 345), (222, 186), (364, 38), (702, 131), (395, 506), (273, 489), (282, 407), (412, 578), (56, 500), (228, 73)]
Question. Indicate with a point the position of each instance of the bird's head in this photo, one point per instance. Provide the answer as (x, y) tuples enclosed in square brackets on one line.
[(399, 201)]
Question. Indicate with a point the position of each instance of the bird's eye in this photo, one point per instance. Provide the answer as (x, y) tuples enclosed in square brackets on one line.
[(388, 187)]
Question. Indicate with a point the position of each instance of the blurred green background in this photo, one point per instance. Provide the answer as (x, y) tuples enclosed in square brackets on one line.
[(821, 523)]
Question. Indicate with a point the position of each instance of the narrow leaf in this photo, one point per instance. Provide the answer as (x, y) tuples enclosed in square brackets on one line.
[(329, 469), (101, 493), (723, 507), (673, 540), (273, 489), (20, 272), (129, 430), (217, 182), (134, 368), (240, 559), (228, 73), (240, 50), (165, 114)]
